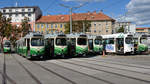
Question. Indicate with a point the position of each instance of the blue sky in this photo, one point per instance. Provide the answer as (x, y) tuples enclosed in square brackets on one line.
[(112, 8), (136, 11)]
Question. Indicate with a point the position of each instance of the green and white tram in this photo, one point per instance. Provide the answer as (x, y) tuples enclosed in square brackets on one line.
[(79, 45), (119, 43), (141, 43), (6, 46), (31, 46), (55, 45), (95, 44)]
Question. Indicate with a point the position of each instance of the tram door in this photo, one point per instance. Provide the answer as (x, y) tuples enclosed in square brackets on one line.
[(120, 44), (52, 47), (72, 47), (28, 46), (47, 48), (90, 44)]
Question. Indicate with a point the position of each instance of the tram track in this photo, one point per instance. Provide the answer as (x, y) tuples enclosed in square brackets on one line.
[(84, 74), (110, 62), (112, 67), (29, 73), (5, 77), (72, 82), (122, 75), (47, 69)]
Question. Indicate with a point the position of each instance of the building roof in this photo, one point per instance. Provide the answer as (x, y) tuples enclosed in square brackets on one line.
[(76, 17), (144, 28), (20, 7)]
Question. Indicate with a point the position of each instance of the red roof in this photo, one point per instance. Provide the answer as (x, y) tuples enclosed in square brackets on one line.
[(143, 28), (76, 17)]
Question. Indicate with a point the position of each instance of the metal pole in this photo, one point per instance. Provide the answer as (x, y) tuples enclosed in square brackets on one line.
[(70, 20), (71, 9), (83, 27)]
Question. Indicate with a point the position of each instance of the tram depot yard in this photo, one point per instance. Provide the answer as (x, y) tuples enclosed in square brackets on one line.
[(80, 60), (116, 69)]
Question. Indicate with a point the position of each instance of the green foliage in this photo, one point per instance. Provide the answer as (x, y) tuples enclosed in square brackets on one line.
[(121, 30), (25, 27), (77, 26), (12, 33), (16, 31), (5, 28)]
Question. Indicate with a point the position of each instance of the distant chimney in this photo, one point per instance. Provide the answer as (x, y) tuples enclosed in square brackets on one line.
[(101, 11), (94, 12), (88, 12), (73, 13)]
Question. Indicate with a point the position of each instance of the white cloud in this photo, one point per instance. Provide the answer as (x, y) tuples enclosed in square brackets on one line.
[(85, 0), (139, 11)]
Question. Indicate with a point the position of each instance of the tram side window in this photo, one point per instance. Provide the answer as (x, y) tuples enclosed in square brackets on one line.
[(128, 41), (111, 41), (61, 41), (143, 40), (82, 41), (98, 41)]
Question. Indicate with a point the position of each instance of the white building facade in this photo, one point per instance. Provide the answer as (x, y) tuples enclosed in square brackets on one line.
[(17, 14)]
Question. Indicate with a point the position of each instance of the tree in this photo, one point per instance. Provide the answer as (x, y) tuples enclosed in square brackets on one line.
[(16, 31), (25, 27), (5, 29), (121, 30), (77, 26)]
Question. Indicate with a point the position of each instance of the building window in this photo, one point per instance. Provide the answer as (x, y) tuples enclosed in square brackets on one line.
[(42, 26), (29, 10), (106, 30), (16, 15), (95, 25), (4, 11), (51, 25), (38, 26), (23, 10), (106, 23), (51, 31), (23, 15), (47, 26), (60, 25), (29, 14), (10, 10), (10, 15), (99, 31), (16, 10), (94, 31), (55, 25)]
